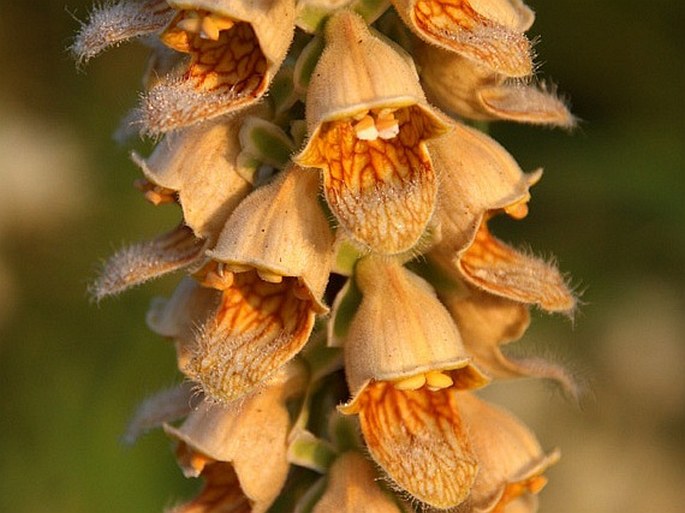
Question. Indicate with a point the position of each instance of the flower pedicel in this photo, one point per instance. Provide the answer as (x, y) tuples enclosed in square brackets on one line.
[(343, 297)]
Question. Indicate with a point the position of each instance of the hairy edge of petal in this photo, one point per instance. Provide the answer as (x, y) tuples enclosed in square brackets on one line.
[(138, 263), (258, 327), (419, 439), (112, 24), (495, 267)]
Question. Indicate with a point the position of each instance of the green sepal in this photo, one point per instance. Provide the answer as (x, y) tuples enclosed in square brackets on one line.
[(306, 450), (346, 304), (266, 142), (305, 64)]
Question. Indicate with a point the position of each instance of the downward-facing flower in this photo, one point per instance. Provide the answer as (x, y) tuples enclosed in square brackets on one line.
[(239, 448), (479, 179), (197, 168), (461, 86), (510, 458), (234, 47), (352, 488), (403, 357), (489, 32), (368, 122), (271, 263)]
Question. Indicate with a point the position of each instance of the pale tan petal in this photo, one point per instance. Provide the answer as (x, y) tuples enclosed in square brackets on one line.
[(461, 86), (401, 331), (510, 457), (491, 265), (352, 488), (247, 433), (144, 261), (419, 439), (258, 327), (165, 406), (181, 316), (111, 24), (487, 32), (281, 231), (199, 165), (235, 50), (477, 175)]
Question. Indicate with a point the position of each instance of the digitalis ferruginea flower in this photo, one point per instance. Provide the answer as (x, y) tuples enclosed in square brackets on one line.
[(368, 122), (471, 90), (272, 281), (229, 444), (382, 212), (403, 355)]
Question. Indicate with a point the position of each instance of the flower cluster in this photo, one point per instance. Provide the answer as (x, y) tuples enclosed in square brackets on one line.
[(343, 295)]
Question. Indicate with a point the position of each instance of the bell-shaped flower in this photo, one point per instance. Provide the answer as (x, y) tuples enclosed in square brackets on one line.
[(197, 168), (352, 488), (478, 179), (368, 121), (510, 458), (234, 49), (488, 32), (403, 356), (271, 263), (468, 89), (239, 448)]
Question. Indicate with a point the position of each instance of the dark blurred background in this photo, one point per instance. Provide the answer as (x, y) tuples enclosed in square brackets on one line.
[(611, 209)]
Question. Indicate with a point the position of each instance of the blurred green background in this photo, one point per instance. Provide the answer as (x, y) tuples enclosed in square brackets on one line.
[(611, 208)]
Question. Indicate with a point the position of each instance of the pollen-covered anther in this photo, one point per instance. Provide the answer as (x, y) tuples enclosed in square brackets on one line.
[(155, 194), (373, 125), (518, 210), (215, 275), (207, 25), (432, 380)]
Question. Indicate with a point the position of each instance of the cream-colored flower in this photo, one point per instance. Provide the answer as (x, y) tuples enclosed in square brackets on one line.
[(510, 458), (272, 277), (197, 168), (403, 356), (368, 121), (479, 179), (488, 32), (239, 448), (461, 86)]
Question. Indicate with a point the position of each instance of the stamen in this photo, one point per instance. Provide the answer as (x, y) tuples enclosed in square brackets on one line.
[(387, 125), (269, 276), (214, 275), (411, 383), (365, 129), (518, 210), (437, 380), (155, 194)]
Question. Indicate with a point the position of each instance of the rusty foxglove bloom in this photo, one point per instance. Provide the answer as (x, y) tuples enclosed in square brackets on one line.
[(344, 185), (368, 122), (229, 444), (403, 355), (471, 90), (272, 280)]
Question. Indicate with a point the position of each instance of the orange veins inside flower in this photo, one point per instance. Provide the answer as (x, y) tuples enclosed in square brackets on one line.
[(258, 327), (382, 189), (225, 56), (455, 24), (419, 439)]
